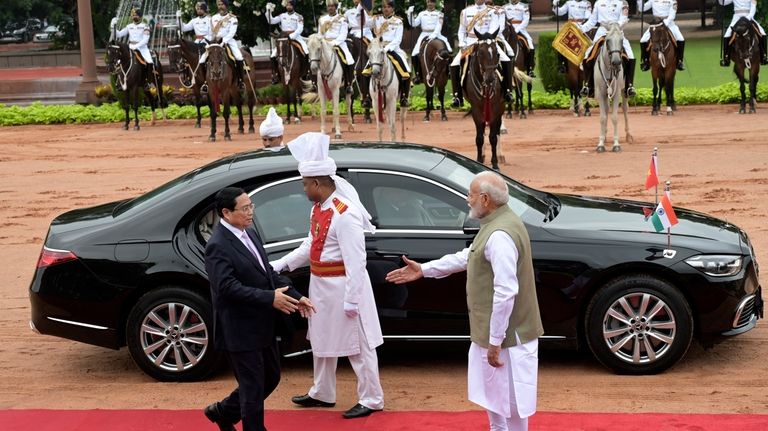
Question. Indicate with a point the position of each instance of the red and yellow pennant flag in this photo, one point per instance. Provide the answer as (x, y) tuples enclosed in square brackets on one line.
[(652, 179), (571, 42), (664, 217)]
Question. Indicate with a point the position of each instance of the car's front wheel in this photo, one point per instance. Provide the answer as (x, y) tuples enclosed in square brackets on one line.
[(638, 324), (169, 335)]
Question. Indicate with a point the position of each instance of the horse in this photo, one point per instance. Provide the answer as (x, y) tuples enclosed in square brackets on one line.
[(292, 65), (663, 61), (608, 76), (384, 89), (482, 88), (130, 76), (185, 55), (745, 52), (222, 87), (435, 59), (326, 65), (521, 63), (360, 54)]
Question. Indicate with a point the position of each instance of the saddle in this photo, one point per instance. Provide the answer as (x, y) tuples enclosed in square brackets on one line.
[(465, 67), (400, 69), (733, 34), (671, 37), (523, 41), (139, 58), (596, 50)]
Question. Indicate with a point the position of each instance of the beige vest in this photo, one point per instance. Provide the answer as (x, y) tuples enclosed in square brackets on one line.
[(525, 318)]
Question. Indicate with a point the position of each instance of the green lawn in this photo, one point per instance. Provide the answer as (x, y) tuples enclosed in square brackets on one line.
[(702, 62)]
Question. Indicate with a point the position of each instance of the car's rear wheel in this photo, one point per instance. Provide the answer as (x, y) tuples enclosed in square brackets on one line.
[(638, 324), (169, 335)]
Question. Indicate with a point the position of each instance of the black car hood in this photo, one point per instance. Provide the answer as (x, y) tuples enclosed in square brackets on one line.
[(587, 217)]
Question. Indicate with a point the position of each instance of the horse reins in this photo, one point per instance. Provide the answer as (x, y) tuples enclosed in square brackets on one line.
[(123, 71), (185, 64)]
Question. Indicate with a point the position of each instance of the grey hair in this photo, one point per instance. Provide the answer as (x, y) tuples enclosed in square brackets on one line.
[(494, 186)]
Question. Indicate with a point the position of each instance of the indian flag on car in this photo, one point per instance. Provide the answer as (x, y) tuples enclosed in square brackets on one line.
[(664, 217)]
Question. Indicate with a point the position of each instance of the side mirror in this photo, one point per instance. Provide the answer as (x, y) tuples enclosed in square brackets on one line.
[(471, 226)]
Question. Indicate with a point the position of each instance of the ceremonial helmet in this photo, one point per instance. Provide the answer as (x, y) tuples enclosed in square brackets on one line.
[(136, 10)]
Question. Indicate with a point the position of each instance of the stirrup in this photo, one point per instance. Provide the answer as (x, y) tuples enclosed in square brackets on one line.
[(404, 102), (561, 68), (680, 65), (508, 97), (275, 79), (584, 91), (456, 103), (366, 103), (350, 90), (725, 62), (645, 65), (631, 92), (531, 73), (204, 88), (764, 61)]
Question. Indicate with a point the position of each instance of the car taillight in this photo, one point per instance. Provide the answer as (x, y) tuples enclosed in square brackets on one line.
[(50, 257)]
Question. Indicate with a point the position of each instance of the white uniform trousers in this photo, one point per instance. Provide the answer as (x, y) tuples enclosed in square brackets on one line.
[(232, 44), (502, 55), (601, 31), (672, 28), (425, 34), (301, 41), (145, 54), (527, 37), (735, 18), (366, 368)]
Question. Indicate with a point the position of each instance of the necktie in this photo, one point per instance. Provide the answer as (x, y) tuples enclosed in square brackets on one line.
[(252, 248)]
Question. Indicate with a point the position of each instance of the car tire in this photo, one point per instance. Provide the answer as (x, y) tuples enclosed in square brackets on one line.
[(169, 333), (638, 324)]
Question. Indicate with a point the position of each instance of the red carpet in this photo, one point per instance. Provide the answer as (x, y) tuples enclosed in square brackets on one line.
[(291, 420)]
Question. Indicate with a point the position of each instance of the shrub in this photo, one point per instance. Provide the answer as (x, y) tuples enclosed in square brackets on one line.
[(552, 80)]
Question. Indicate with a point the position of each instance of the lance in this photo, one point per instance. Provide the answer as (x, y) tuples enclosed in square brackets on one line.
[(642, 18), (722, 29), (557, 15)]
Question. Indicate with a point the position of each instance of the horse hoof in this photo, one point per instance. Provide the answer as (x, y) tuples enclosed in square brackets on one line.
[(426, 119), (509, 115), (241, 131), (251, 130), (616, 148), (337, 136), (444, 118), (752, 111), (654, 113), (587, 114), (742, 111), (125, 127), (136, 127), (227, 137), (368, 121), (297, 120), (211, 139), (495, 167), (601, 148), (523, 116), (197, 125), (669, 112)]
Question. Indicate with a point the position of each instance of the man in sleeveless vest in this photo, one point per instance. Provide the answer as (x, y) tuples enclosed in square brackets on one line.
[(742, 8), (334, 29), (224, 27), (138, 33), (346, 322), (389, 27), (485, 20), (292, 24), (606, 12), (504, 319), (518, 15), (664, 10), (431, 23), (578, 12)]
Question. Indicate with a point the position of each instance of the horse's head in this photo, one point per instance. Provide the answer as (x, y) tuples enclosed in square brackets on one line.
[(745, 41), (487, 60), (315, 47), (283, 48), (376, 57), (216, 62), (115, 55), (486, 36), (175, 56), (614, 41), (660, 39)]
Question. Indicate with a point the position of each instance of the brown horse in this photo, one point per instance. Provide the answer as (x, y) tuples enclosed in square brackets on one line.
[(521, 63), (745, 52), (435, 59), (292, 66), (132, 78), (574, 76), (482, 88), (185, 56), (359, 49), (663, 59), (222, 88)]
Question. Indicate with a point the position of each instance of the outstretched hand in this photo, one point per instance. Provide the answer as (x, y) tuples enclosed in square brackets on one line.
[(283, 302), (410, 272), (306, 307)]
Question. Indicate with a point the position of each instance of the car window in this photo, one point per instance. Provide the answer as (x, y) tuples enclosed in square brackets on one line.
[(403, 202), (281, 211)]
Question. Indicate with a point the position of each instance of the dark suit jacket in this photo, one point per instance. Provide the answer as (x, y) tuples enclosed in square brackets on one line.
[(242, 292)]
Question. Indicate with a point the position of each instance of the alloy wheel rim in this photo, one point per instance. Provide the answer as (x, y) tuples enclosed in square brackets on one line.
[(174, 336), (639, 328)]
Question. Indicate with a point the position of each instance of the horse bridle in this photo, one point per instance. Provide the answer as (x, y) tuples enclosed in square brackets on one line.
[(746, 55), (381, 66), (280, 55), (610, 82), (182, 63), (482, 85), (217, 75), (319, 61), (430, 78), (117, 66)]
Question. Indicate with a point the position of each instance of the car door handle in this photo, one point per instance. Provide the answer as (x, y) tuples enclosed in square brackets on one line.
[(390, 253)]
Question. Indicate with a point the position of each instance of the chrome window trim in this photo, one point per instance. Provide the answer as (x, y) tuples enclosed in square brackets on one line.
[(71, 322), (272, 184), (405, 174), (282, 243)]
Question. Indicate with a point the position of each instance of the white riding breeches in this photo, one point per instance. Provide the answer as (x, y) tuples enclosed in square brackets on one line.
[(301, 42), (502, 55), (347, 53), (235, 51), (601, 31), (672, 28), (145, 54), (528, 37), (736, 17), (424, 35)]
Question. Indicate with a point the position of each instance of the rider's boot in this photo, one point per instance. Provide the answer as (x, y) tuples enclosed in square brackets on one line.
[(365, 82), (588, 77), (763, 50), (726, 60), (416, 66), (150, 74), (349, 77), (275, 73), (239, 73), (456, 84), (561, 65), (531, 60), (507, 69), (645, 57), (405, 89), (680, 54), (629, 77)]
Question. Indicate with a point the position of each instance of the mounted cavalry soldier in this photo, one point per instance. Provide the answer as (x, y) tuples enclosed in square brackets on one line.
[(334, 29), (138, 38), (518, 15), (606, 12), (201, 25), (482, 19), (389, 28), (354, 16), (578, 13), (431, 23), (743, 8), (224, 28), (664, 10), (291, 24)]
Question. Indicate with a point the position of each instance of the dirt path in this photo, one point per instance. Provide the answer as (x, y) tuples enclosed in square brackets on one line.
[(717, 162)]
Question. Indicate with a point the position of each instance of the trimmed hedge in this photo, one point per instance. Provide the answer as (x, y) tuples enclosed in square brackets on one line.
[(552, 80)]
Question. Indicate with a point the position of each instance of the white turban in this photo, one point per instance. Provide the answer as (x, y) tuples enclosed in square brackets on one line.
[(272, 126), (311, 151)]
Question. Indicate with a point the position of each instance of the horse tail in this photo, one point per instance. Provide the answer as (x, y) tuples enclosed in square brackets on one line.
[(522, 76), (310, 97)]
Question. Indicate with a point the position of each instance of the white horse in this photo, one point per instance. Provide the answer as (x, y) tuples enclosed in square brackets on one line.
[(609, 86), (325, 64), (384, 88)]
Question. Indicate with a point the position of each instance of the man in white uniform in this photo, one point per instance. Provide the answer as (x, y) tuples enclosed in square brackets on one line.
[(606, 12), (353, 16), (389, 27), (431, 23), (201, 25), (518, 15), (334, 29), (271, 131), (224, 27), (664, 10), (742, 8), (504, 316), (138, 37), (578, 12), (477, 17), (346, 322), (291, 24)]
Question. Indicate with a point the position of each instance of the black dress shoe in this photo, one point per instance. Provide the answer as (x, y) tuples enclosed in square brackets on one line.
[(214, 415), (307, 401), (358, 411)]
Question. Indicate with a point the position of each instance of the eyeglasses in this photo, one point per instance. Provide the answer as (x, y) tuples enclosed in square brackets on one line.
[(245, 208)]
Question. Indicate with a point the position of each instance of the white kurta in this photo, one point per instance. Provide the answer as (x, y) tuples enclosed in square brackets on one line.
[(353, 17), (331, 332), (509, 390)]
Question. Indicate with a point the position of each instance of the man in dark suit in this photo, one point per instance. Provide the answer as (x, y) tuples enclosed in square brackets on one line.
[(247, 295)]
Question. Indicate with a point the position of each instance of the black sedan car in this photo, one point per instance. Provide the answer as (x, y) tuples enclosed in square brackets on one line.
[(132, 273)]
